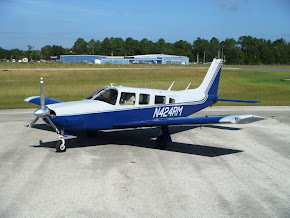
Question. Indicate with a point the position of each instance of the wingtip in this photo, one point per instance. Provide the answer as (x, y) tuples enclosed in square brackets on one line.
[(28, 99)]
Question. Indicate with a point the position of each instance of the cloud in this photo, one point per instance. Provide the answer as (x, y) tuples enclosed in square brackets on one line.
[(232, 5)]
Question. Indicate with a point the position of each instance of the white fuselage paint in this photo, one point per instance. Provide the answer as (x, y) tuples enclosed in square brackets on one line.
[(167, 109), (162, 110)]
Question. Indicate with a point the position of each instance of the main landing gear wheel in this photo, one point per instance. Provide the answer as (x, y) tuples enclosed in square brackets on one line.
[(161, 143), (60, 145)]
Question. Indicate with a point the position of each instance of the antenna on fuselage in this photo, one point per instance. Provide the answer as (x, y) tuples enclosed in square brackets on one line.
[(111, 84), (171, 86), (187, 86)]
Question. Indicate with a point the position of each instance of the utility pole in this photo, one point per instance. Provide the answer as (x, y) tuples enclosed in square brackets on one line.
[(204, 57), (223, 53), (197, 58)]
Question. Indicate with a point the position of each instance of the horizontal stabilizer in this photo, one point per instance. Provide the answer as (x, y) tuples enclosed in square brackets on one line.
[(241, 119), (237, 100), (235, 119), (36, 100)]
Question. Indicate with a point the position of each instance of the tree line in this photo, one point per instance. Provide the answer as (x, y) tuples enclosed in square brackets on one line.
[(245, 50)]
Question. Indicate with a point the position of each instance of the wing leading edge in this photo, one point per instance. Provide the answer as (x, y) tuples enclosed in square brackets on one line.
[(235, 119)]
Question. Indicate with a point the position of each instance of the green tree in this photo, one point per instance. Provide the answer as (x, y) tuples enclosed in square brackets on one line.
[(288, 52), (214, 48), (183, 48), (280, 51), (5, 54), (29, 52), (146, 46), (161, 46), (57, 50), (106, 46), (91, 47), (94, 47), (46, 52), (231, 52), (80, 46), (16, 54), (132, 47), (117, 46), (266, 52), (250, 47), (199, 47)]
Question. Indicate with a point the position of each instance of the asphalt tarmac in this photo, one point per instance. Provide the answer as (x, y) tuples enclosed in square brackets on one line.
[(213, 171)]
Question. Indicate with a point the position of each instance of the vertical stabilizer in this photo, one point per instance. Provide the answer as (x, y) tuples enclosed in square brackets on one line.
[(211, 80)]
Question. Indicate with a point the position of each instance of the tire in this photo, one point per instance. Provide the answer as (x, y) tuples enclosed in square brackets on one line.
[(161, 143), (60, 146)]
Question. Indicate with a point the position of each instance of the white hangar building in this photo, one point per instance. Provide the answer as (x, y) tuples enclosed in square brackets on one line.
[(136, 59)]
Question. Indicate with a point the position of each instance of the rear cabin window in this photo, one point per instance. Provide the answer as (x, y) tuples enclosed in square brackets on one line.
[(171, 100), (108, 96), (127, 98), (160, 99), (144, 99)]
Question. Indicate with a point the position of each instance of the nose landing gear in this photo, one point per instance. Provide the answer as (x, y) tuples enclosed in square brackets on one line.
[(60, 145)]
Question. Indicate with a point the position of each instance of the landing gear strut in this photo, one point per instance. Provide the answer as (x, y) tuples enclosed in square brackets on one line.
[(163, 138)]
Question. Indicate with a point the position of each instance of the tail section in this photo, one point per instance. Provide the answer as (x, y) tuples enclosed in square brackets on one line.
[(211, 81), (210, 84)]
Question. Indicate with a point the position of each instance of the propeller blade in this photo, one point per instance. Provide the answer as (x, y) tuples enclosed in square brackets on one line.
[(42, 98), (32, 122), (43, 111)]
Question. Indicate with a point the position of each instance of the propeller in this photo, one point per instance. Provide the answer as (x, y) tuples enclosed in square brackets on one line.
[(42, 112)]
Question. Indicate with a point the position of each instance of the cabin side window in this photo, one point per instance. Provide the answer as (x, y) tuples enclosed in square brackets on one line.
[(171, 100), (144, 99), (108, 96), (127, 98), (160, 99)]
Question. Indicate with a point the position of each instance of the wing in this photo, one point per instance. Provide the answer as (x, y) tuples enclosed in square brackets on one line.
[(236, 119), (36, 100)]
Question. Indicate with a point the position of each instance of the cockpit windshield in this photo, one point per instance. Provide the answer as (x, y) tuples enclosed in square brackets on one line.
[(107, 95), (94, 94)]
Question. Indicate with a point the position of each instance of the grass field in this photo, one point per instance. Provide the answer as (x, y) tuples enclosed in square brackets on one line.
[(10, 65), (69, 85)]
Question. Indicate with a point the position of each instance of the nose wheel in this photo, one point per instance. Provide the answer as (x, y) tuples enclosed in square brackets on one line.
[(60, 145)]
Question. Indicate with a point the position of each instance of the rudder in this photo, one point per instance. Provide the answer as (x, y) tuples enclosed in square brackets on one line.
[(211, 80)]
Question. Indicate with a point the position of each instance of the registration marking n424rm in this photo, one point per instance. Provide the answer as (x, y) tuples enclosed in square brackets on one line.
[(168, 111)]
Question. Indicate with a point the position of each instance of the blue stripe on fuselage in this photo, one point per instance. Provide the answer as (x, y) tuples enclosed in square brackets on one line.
[(106, 120)]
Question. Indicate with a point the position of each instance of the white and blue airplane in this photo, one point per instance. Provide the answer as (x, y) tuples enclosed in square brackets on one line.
[(118, 107)]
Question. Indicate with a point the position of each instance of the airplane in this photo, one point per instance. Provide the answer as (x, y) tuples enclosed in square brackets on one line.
[(118, 107)]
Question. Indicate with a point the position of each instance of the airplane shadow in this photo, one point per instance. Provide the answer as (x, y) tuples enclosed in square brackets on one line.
[(143, 138), (43, 126)]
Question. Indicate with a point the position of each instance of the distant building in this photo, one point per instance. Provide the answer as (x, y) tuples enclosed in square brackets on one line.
[(136, 59), (54, 58)]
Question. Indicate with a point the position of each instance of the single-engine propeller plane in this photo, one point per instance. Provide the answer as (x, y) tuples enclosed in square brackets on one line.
[(118, 107)]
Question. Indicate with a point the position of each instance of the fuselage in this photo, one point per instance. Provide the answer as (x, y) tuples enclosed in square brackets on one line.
[(111, 105)]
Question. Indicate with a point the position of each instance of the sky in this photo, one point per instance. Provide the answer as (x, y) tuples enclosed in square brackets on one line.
[(62, 22)]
